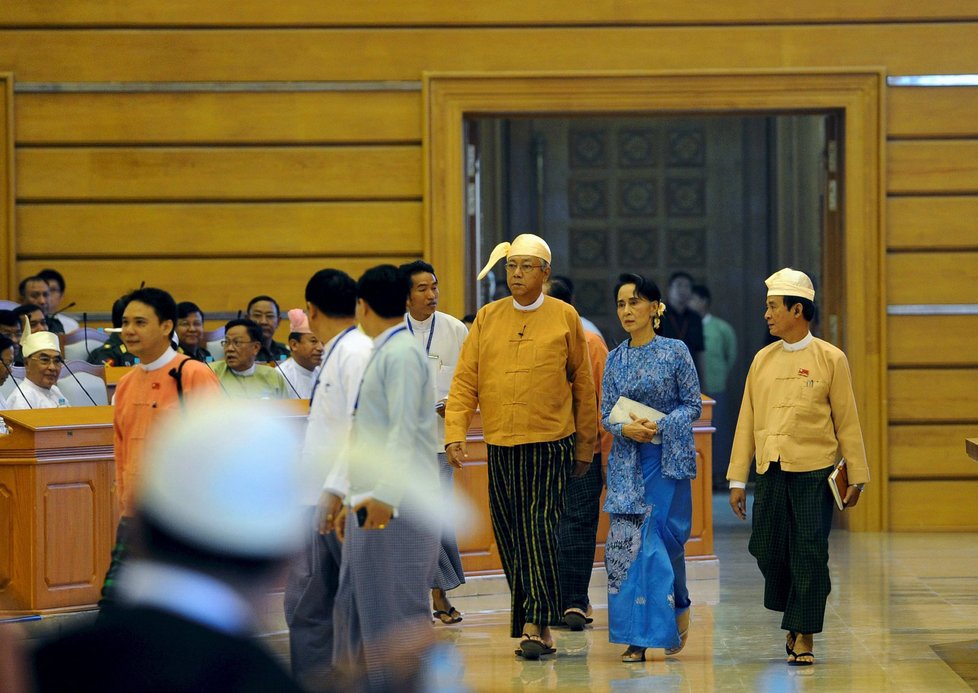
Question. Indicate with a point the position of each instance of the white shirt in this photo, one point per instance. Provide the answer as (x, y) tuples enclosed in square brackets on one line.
[(35, 397), (68, 322), (442, 351), (298, 377), (331, 410), (3, 402)]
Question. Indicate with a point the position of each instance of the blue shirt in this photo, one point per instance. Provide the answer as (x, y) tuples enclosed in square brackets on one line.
[(661, 375)]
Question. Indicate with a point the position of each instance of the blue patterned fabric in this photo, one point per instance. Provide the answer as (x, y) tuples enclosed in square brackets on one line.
[(659, 374), (646, 560)]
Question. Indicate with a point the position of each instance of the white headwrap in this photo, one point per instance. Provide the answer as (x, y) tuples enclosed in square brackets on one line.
[(38, 341), (790, 282), (524, 244)]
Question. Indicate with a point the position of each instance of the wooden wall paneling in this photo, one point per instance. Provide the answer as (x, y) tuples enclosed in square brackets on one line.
[(922, 112), (931, 222), (8, 278), (931, 451), (934, 506), (933, 395), (219, 173), (932, 340), (435, 12), (938, 277), (450, 97), (315, 117), (215, 285), (69, 524), (932, 166), (376, 54), (204, 230), (8, 534)]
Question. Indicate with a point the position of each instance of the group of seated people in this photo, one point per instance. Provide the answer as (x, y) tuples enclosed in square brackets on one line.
[(29, 337)]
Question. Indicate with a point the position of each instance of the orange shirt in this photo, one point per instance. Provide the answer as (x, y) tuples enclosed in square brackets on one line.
[(529, 374), (140, 398), (598, 353)]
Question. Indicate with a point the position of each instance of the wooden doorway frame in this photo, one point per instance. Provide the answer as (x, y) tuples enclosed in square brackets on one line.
[(8, 274), (450, 98)]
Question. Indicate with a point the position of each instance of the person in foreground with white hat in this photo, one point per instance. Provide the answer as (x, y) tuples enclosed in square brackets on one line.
[(300, 369), (798, 414), (525, 366), (42, 363), (218, 514)]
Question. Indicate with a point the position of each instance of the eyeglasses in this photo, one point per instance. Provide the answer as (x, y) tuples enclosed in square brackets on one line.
[(46, 360), (237, 343), (524, 267)]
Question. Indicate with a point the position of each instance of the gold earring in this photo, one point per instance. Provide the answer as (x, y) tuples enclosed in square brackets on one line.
[(655, 323)]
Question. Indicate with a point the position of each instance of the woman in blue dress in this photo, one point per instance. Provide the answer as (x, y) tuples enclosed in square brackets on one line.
[(649, 496)]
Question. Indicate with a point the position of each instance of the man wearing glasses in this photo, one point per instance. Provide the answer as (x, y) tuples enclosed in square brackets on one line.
[(42, 359), (239, 374), (525, 366)]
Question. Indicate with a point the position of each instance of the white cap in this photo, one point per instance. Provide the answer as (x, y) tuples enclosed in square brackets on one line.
[(524, 244), (225, 476), (790, 282), (31, 343)]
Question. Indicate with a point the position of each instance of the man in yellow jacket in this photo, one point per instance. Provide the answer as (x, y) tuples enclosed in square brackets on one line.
[(525, 366), (798, 414)]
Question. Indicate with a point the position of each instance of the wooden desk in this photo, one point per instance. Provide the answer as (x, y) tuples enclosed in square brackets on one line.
[(971, 445), (56, 508), (480, 555)]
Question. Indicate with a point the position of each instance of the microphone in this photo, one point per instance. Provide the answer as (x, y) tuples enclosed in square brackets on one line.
[(90, 398), (282, 373), (70, 305), (520, 333), (85, 330), (17, 385)]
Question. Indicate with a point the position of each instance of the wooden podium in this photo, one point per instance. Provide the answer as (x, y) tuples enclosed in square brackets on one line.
[(480, 555), (56, 511)]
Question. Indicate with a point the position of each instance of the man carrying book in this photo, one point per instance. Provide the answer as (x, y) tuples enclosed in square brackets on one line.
[(797, 417)]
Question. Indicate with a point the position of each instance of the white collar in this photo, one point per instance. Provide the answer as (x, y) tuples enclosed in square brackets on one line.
[(161, 361), (533, 306), (298, 365), (383, 336), (186, 593), (420, 325), (245, 373), (799, 345)]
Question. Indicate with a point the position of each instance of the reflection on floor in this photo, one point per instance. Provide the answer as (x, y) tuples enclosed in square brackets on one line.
[(902, 616)]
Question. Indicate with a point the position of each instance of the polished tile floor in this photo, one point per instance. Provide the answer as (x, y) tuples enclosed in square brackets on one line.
[(902, 616)]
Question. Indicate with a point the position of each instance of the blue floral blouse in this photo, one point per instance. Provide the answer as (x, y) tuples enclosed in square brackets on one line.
[(659, 374)]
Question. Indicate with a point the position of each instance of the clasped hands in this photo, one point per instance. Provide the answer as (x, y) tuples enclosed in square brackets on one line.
[(640, 430), (331, 514)]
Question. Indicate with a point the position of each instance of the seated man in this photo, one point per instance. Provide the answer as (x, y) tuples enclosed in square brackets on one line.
[(114, 352), (239, 375), (10, 328), (56, 294), (34, 291), (264, 311), (42, 358), (307, 353), (190, 332), (6, 361)]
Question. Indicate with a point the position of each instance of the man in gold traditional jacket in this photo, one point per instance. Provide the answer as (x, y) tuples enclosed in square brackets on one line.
[(525, 366)]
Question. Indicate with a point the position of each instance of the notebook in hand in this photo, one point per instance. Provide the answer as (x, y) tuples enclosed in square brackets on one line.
[(839, 483), (624, 406)]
